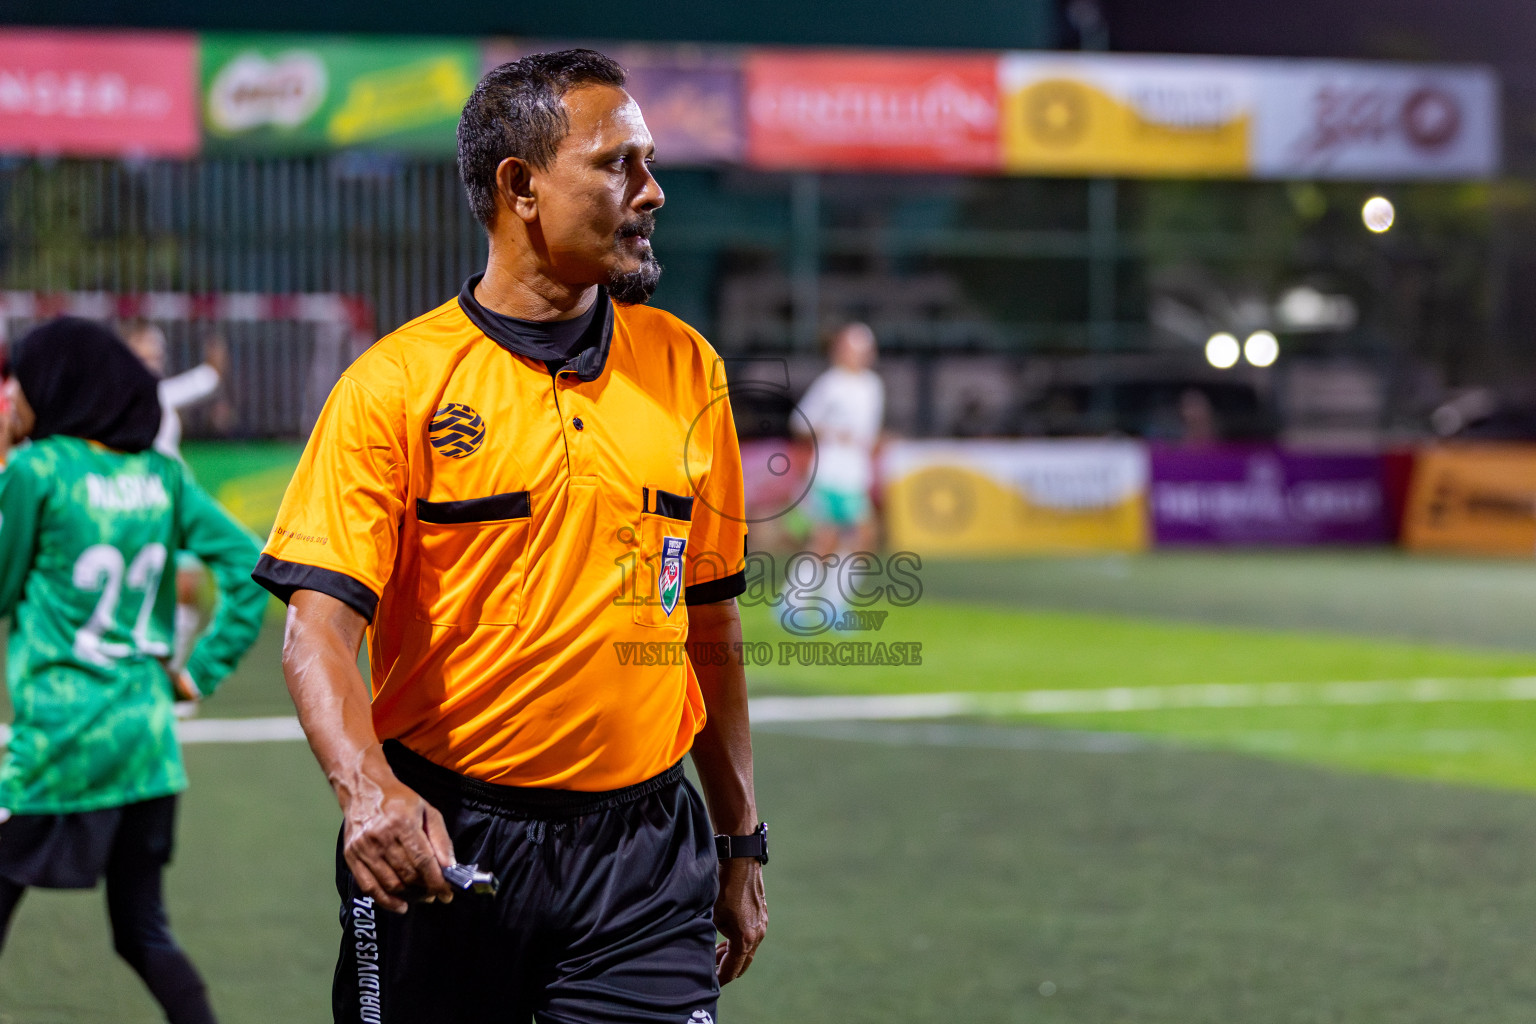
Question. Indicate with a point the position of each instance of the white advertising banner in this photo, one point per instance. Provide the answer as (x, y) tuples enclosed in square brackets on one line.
[(1147, 116), (1324, 119)]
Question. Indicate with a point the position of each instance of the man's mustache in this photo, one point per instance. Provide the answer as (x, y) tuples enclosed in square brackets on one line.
[(641, 227)]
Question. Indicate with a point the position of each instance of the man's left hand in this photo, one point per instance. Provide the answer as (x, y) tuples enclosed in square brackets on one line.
[(741, 915)]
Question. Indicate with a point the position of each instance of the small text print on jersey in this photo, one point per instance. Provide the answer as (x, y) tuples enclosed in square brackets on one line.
[(456, 430)]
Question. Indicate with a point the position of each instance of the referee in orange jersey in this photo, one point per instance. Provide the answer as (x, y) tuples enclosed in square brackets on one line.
[(530, 500)]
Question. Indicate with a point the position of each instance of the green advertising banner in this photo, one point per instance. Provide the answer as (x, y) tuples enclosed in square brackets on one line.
[(305, 94)]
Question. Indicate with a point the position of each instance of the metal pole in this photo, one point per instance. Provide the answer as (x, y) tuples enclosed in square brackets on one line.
[(1103, 245), (805, 258)]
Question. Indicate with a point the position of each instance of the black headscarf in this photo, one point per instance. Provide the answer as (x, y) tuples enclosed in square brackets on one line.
[(83, 381)]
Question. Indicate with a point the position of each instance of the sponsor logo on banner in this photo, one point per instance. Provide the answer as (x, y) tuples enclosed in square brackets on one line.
[(396, 100), (1359, 120), (694, 113), (98, 94), (251, 91), (1125, 115), (907, 111), (1233, 495), (982, 497), (296, 94), (691, 96), (1473, 499), (1242, 117)]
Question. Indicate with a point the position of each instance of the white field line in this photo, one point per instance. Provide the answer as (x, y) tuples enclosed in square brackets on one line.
[(1141, 698), (900, 707)]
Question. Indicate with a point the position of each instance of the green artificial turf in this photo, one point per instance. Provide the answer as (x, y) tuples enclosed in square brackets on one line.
[(915, 883), (1001, 871)]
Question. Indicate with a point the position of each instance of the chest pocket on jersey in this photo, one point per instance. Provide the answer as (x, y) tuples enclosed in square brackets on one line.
[(474, 557), (659, 566)]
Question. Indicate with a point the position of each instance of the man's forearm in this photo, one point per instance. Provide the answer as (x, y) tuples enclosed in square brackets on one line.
[(722, 752), (320, 646), (393, 841)]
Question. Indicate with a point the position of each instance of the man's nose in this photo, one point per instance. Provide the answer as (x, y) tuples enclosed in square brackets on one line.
[(650, 196)]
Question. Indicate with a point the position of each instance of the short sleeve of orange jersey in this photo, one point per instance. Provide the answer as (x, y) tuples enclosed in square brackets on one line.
[(343, 509), (717, 541)]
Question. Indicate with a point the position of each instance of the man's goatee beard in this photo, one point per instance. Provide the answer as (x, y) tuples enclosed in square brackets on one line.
[(635, 287)]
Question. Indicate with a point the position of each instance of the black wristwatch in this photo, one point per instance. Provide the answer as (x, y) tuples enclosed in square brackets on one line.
[(754, 845)]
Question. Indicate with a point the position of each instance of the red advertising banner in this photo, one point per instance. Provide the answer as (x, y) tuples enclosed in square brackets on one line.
[(98, 93), (915, 112)]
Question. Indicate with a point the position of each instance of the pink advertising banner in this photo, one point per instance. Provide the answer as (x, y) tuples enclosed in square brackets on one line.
[(904, 111), (98, 93)]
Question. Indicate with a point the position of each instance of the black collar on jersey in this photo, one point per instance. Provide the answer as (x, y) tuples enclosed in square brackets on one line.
[(587, 365), (81, 380)]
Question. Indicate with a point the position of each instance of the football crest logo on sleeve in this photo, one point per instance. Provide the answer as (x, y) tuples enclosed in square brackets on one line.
[(671, 580)]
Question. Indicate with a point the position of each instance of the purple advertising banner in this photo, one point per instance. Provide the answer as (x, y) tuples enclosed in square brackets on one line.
[(1263, 496), (691, 96)]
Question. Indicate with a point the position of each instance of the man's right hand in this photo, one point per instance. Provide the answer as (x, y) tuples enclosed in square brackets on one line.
[(394, 841)]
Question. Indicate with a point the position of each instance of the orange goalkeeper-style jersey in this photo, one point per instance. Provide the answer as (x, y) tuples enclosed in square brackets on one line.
[(508, 531)]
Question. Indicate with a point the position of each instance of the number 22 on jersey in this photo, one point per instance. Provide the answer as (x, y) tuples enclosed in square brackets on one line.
[(102, 567)]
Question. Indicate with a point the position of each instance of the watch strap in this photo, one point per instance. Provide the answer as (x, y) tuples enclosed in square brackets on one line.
[(754, 845)]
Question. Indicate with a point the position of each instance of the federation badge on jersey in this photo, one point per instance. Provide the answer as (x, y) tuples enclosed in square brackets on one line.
[(671, 581), (456, 430)]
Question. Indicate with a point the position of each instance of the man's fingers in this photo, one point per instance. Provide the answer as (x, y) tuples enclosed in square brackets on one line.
[(734, 964), (734, 954), (441, 843), (368, 883), (416, 866)]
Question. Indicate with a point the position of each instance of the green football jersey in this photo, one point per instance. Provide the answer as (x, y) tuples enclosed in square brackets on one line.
[(88, 539)]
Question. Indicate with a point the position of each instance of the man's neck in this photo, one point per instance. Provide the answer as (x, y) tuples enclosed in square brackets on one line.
[(527, 294)]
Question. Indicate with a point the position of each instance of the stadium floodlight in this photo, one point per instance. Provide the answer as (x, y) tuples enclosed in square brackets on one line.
[(1378, 214), (1261, 349), (1222, 350)]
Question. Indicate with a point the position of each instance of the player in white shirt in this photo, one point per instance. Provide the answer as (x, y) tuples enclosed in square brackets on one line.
[(844, 409), (184, 390)]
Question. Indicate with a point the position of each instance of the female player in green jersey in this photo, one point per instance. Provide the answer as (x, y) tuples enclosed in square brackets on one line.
[(91, 518)]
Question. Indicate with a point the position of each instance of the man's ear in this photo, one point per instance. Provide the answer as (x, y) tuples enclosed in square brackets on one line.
[(514, 188)]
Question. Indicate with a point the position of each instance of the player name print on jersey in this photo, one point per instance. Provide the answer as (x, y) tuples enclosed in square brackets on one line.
[(126, 493), (456, 430)]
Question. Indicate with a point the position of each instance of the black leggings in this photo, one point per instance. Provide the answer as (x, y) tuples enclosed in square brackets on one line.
[(142, 936)]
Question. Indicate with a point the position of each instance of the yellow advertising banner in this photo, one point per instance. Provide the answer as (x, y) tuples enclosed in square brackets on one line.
[(1473, 499), (1132, 116), (1016, 497)]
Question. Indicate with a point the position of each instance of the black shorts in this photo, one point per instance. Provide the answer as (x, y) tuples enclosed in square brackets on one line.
[(71, 851), (604, 914)]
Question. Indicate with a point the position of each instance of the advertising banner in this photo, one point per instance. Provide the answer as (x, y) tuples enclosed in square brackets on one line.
[(1014, 497), (1264, 496), (898, 111), (691, 96), (1473, 499), (1332, 119), (1126, 115), (1141, 116), (98, 93), (297, 94)]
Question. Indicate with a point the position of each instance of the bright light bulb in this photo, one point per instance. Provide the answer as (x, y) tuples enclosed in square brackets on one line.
[(1262, 348), (1221, 351), (1378, 214)]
